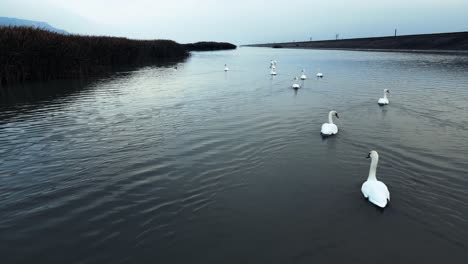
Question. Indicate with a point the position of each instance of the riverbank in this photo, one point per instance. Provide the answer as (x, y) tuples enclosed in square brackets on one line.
[(29, 54), (442, 42)]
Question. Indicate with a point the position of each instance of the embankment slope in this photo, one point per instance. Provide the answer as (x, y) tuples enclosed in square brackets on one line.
[(456, 41)]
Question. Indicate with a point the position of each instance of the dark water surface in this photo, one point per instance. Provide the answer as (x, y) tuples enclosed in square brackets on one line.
[(196, 165)]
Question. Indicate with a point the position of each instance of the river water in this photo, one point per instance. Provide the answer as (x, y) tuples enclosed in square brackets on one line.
[(198, 165)]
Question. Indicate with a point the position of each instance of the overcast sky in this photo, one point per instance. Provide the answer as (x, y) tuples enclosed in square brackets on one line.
[(243, 21)]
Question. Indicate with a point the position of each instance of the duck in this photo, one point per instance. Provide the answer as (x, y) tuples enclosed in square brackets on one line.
[(384, 100), (226, 67), (303, 76), (295, 84), (373, 190), (329, 129)]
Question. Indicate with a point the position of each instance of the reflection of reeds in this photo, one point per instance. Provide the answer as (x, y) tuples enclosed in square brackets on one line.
[(36, 54), (205, 46)]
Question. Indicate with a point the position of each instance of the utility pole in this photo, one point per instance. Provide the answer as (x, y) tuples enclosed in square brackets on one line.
[(337, 36), (395, 31)]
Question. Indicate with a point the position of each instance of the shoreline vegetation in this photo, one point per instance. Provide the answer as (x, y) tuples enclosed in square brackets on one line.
[(209, 46), (440, 42), (29, 54)]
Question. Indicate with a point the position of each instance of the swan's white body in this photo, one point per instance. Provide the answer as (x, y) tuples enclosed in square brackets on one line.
[(273, 64), (372, 189), (329, 128), (273, 67), (295, 84), (226, 67), (384, 100), (303, 76)]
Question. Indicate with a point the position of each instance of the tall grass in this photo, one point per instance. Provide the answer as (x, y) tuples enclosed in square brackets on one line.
[(35, 54)]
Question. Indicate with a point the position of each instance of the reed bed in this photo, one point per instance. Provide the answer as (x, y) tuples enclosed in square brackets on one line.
[(36, 54)]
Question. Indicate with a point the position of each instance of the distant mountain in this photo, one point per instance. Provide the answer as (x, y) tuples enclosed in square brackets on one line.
[(8, 21)]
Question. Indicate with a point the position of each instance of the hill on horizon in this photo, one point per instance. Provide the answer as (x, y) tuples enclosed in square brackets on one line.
[(10, 21)]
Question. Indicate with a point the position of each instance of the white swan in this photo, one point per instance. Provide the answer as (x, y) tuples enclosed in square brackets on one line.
[(384, 100), (329, 128), (273, 68), (295, 84), (226, 67), (319, 74), (372, 189), (273, 64), (303, 76)]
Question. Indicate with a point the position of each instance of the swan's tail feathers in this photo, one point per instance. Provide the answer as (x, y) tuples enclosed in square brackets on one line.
[(378, 198), (386, 192), (379, 202)]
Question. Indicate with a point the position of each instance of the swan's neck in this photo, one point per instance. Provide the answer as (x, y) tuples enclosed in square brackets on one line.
[(330, 118), (385, 95), (373, 169)]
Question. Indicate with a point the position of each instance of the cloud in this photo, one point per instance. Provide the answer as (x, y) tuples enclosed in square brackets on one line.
[(243, 21)]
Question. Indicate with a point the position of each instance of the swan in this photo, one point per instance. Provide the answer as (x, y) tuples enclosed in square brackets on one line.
[(273, 64), (226, 67), (303, 76), (295, 84), (372, 189), (273, 67), (329, 128), (384, 100), (319, 74)]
